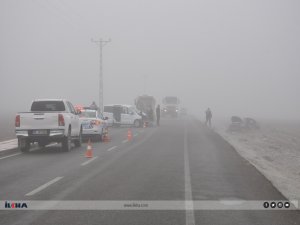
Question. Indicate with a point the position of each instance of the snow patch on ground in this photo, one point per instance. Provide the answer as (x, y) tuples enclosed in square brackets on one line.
[(274, 150)]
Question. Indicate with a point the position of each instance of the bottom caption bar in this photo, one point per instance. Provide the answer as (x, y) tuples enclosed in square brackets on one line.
[(150, 205)]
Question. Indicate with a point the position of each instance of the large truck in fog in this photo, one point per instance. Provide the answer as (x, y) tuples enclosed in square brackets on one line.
[(170, 106), (145, 104)]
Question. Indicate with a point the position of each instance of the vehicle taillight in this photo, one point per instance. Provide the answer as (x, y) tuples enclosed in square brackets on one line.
[(61, 120), (18, 121)]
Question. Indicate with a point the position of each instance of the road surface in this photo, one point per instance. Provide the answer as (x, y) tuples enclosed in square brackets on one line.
[(180, 161)]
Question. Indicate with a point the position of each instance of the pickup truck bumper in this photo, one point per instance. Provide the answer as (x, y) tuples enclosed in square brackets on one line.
[(39, 135)]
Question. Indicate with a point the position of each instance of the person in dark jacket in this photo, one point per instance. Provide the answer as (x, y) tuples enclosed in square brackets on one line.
[(94, 106), (208, 114), (157, 115), (149, 114)]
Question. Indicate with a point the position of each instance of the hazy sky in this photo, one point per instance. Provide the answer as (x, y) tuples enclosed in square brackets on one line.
[(237, 57)]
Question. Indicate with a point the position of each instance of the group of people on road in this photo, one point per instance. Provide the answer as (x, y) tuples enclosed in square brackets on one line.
[(148, 116), (208, 114)]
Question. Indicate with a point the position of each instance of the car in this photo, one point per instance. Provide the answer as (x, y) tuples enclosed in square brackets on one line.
[(49, 120), (122, 115), (94, 125)]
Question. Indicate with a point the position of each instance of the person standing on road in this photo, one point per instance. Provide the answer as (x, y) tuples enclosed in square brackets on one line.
[(94, 106), (150, 114), (157, 115), (208, 114)]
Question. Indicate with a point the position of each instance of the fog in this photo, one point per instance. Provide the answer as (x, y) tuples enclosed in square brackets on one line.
[(236, 57)]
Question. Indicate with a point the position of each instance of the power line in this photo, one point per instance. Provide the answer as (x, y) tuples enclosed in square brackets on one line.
[(101, 44)]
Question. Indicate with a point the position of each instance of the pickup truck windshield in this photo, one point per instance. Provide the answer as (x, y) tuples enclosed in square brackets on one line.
[(48, 106)]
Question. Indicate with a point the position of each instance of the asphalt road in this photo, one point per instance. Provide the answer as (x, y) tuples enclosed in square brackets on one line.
[(180, 160)]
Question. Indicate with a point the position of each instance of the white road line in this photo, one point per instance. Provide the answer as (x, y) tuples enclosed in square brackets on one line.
[(189, 205), (89, 161), (40, 188), (112, 148), (124, 141), (11, 155)]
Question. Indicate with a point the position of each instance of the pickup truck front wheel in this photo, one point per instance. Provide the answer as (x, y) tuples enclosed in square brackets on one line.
[(23, 144), (67, 142)]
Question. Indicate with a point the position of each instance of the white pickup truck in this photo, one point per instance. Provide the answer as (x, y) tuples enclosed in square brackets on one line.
[(49, 120)]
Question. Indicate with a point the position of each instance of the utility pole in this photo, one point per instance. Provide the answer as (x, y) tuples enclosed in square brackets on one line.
[(145, 83), (101, 44)]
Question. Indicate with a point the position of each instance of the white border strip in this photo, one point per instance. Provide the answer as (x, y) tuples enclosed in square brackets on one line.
[(146, 205)]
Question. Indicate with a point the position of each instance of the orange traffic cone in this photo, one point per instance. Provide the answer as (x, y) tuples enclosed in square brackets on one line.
[(89, 150), (129, 135)]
